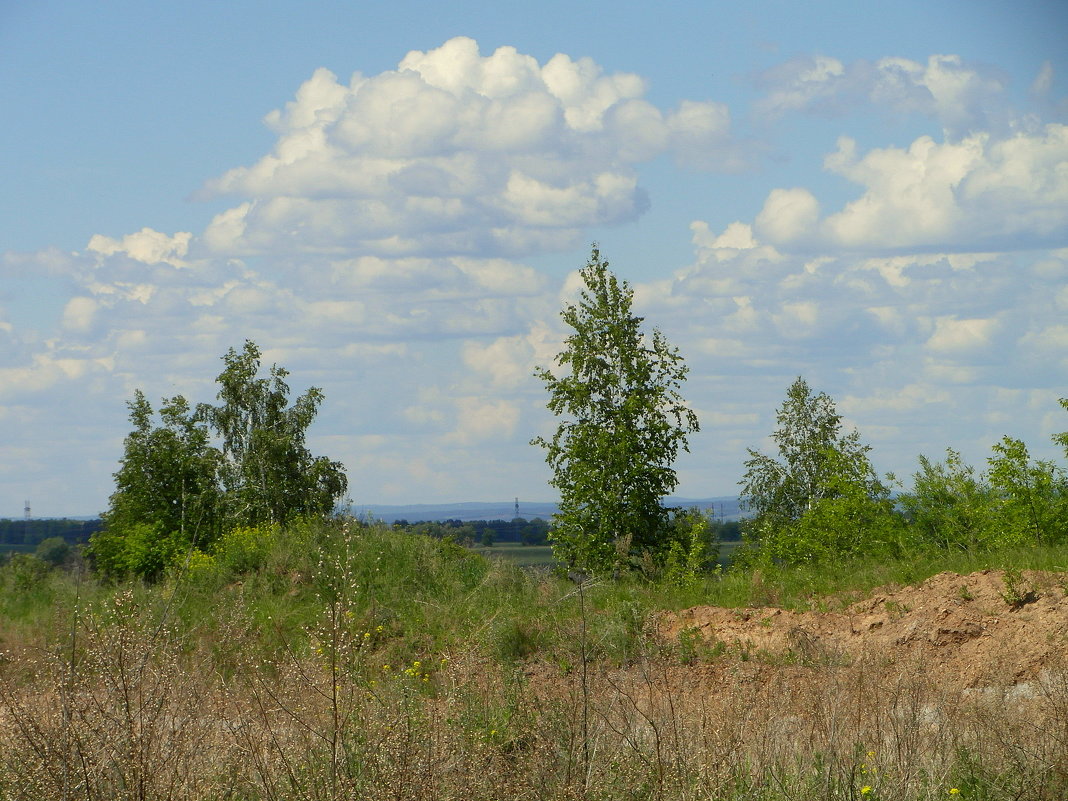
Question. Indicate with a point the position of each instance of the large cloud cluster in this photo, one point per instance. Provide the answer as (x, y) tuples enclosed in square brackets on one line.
[(375, 248), (458, 153)]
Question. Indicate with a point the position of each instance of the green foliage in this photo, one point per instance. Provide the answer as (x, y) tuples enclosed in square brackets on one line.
[(1017, 591), (175, 491), (1062, 438), (694, 550), (267, 473), (516, 638), (624, 423), (246, 548), (822, 499), (53, 550), (1016, 502), (166, 482), (950, 506), (139, 549), (23, 572), (1033, 505)]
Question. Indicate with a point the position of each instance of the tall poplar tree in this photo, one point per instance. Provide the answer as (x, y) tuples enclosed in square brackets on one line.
[(623, 423)]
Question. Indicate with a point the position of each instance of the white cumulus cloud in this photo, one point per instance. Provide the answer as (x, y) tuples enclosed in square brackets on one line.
[(456, 152)]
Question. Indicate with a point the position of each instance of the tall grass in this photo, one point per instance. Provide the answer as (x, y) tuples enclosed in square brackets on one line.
[(347, 661)]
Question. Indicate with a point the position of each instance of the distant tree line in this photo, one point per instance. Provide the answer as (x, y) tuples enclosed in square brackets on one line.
[(482, 532), (536, 531), (32, 532)]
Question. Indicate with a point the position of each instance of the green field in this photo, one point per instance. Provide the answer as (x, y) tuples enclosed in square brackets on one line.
[(522, 555), (542, 555)]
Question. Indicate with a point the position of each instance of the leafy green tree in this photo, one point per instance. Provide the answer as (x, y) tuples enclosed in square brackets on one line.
[(624, 423), (821, 499), (694, 548), (1062, 438), (950, 506), (166, 492), (175, 490), (267, 473), (1033, 507)]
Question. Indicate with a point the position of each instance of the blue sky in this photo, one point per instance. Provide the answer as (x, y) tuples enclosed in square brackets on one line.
[(872, 195)]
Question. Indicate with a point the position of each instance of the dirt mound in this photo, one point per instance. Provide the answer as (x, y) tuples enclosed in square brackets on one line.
[(991, 625)]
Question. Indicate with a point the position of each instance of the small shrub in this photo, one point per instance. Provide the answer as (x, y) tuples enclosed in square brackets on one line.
[(246, 548), (515, 639), (24, 572), (1017, 592), (694, 647)]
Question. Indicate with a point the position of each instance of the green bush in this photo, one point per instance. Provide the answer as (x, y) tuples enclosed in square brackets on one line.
[(246, 548), (53, 550), (141, 549), (23, 572)]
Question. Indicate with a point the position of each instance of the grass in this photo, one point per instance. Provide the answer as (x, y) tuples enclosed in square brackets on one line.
[(347, 661)]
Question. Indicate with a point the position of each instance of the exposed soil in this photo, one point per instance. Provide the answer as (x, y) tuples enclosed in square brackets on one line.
[(973, 630)]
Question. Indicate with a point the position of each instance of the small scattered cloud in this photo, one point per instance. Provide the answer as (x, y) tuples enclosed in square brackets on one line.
[(963, 97), (1043, 81), (146, 246), (952, 335)]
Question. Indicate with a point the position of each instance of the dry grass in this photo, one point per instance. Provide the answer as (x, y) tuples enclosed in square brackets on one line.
[(131, 709)]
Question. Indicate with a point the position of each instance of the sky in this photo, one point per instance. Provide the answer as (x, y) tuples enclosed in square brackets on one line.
[(393, 201)]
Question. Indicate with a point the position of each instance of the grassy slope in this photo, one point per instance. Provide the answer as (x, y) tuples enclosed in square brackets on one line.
[(368, 663)]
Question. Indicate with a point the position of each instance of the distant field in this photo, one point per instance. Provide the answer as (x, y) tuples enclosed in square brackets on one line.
[(6, 546), (542, 555), (522, 555), (725, 551)]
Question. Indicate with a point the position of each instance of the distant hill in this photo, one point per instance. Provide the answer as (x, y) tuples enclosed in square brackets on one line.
[(725, 508)]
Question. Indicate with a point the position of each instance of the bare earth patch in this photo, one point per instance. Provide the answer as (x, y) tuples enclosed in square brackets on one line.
[(972, 630)]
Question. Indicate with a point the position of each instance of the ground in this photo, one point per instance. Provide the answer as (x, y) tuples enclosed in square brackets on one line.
[(991, 627)]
